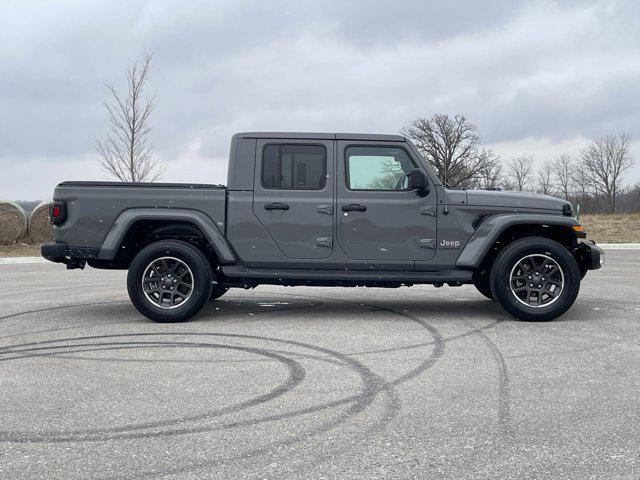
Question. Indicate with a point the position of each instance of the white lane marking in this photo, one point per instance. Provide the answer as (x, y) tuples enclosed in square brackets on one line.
[(619, 246), (12, 260)]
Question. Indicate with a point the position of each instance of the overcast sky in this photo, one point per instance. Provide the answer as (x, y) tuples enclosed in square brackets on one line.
[(537, 77)]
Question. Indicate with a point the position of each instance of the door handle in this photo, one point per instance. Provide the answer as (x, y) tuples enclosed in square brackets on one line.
[(276, 206), (354, 207)]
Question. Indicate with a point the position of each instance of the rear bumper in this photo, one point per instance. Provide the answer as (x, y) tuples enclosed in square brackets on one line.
[(590, 255), (54, 252), (72, 257)]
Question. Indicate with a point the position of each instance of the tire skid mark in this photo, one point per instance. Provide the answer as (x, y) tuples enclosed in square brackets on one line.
[(423, 366), (375, 386), (217, 314), (372, 388), (504, 397), (410, 374), (71, 356), (468, 333), (438, 341), (410, 317), (343, 417), (361, 401), (59, 307), (437, 352), (295, 377)]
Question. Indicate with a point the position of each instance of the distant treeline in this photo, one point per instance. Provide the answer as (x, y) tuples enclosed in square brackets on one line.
[(594, 177)]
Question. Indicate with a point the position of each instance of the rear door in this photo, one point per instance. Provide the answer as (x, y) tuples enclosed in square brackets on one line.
[(378, 217), (294, 195)]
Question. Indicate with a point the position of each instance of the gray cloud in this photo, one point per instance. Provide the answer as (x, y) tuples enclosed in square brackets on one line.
[(549, 71)]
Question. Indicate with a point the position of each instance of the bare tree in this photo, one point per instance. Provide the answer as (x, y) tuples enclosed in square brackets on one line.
[(519, 169), (582, 188), (126, 152), (451, 145), (545, 181), (629, 199), (563, 173), (607, 159), (490, 176), (508, 184)]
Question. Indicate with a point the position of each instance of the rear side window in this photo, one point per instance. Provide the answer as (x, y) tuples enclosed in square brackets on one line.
[(378, 168), (294, 167)]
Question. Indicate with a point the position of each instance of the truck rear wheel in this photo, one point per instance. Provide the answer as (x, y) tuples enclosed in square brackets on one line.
[(169, 281), (535, 278)]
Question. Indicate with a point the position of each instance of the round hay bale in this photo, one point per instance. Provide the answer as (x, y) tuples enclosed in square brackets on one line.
[(40, 228), (13, 223)]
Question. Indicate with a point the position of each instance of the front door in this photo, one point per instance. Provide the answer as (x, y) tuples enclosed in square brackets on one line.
[(293, 196), (379, 218)]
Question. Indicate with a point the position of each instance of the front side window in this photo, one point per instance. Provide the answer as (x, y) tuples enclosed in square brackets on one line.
[(294, 167), (378, 168)]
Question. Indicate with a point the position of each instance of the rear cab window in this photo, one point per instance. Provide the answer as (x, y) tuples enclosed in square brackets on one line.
[(294, 167)]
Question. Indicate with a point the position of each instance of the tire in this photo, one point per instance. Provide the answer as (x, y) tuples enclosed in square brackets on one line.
[(163, 294), (217, 291), (482, 284), (527, 264)]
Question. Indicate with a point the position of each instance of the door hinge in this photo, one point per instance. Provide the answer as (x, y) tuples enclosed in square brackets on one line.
[(323, 242), (428, 210), (429, 243)]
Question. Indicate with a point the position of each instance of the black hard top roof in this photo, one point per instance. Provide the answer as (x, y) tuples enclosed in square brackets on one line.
[(323, 136)]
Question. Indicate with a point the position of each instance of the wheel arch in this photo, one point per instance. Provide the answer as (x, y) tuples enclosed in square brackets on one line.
[(495, 232), (136, 228)]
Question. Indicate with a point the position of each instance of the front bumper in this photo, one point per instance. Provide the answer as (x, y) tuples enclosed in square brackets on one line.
[(590, 255), (72, 257)]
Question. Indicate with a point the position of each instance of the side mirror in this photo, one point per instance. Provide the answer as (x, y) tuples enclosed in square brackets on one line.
[(419, 182)]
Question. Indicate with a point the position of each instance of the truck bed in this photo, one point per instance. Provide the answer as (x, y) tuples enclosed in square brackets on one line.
[(93, 207)]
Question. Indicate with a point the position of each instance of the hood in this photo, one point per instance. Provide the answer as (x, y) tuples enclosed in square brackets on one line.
[(498, 198)]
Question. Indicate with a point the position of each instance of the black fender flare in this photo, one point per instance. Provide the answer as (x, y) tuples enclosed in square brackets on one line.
[(127, 218), (492, 227)]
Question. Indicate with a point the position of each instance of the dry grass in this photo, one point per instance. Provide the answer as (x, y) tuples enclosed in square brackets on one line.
[(19, 250), (617, 228)]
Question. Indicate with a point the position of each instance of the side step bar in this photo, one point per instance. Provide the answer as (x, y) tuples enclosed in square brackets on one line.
[(440, 276)]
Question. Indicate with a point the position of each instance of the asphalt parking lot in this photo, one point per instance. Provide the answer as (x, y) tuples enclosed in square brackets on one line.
[(317, 383)]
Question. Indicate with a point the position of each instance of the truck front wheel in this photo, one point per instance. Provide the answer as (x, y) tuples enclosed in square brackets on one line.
[(535, 278), (169, 281)]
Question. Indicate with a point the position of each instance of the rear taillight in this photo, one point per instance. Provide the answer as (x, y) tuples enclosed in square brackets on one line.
[(58, 213)]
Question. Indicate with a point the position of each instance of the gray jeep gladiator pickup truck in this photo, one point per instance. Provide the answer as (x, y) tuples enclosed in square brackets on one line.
[(326, 210)]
